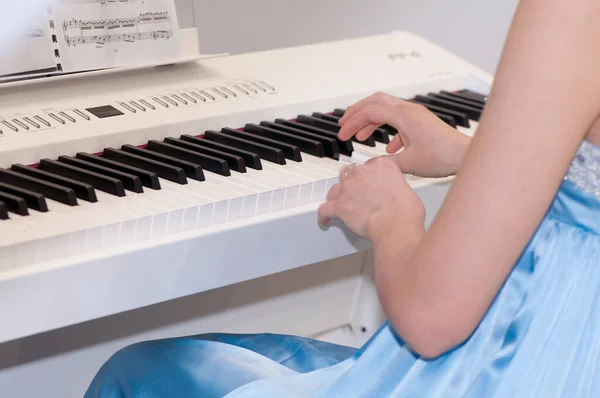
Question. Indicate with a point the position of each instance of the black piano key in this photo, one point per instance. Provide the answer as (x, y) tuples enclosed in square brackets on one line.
[(192, 170), (212, 160), (83, 190), (339, 112), (59, 193), (33, 199), (3, 211), (149, 179), (207, 162), (309, 146), (271, 154), (473, 95), (103, 183), (461, 118), (460, 101), (163, 170), (471, 112), (250, 159), (451, 121), (464, 97), (346, 147), (130, 181), (379, 134), (291, 152), (330, 145), (14, 204), (333, 127)]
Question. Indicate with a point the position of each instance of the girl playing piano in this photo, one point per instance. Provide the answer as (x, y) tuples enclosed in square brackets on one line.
[(498, 298)]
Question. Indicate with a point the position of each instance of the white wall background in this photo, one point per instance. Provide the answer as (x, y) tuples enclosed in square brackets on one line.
[(56, 364)]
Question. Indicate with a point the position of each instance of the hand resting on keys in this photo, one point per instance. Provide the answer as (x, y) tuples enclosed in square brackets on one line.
[(430, 147)]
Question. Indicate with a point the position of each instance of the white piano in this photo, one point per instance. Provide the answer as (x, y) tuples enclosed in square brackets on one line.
[(133, 192)]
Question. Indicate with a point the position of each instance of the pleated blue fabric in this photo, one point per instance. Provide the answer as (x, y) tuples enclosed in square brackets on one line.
[(539, 338)]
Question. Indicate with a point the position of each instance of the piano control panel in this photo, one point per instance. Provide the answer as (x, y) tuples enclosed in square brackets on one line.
[(53, 118)]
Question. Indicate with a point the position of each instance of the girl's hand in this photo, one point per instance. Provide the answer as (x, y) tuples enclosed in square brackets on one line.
[(370, 193), (431, 148)]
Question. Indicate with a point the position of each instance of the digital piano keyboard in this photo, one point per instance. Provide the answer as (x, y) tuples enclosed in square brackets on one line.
[(126, 189)]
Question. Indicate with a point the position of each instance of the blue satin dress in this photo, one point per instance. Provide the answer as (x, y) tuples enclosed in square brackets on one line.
[(539, 338)]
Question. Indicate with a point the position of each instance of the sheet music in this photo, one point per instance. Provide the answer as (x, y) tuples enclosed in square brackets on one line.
[(26, 41), (95, 34)]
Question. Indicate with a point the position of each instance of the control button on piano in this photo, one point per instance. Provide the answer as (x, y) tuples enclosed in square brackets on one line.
[(148, 178), (163, 170), (33, 199), (141, 108), (250, 159), (101, 182), (189, 98), (262, 83), (345, 147), (309, 146), (191, 170), (330, 145), (333, 127), (41, 119), (380, 134), (271, 154), (211, 159), (204, 93), (219, 92), (178, 98), (239, 88), (10, 126), (20, 124), (161, 102), (291, 152), (207, 162), (53, 116), (14, 204), (471, 112), (129, 108), (66, 116), (258, 86), (461, 119), (83, 115), (228, 91), (130, 181), (3, 211), (169, 100), (149, 105), (250, 88), (82, 190), (34, 124), (200, 97), (50, 190)]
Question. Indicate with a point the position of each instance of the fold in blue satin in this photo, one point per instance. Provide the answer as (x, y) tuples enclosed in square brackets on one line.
[(540, 338)]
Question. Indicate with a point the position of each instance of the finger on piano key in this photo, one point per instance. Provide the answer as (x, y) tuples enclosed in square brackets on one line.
[(333, 127), (338, 113), (14, 204), (191, 170), (472, 112), (149, 179), (3, 211), (271, 154), (306, 145), (345, 147), (50, 190), (330, 146), (291, 152), (250, 159), (34, 200), (379, 134), (98, 181), (130, 181), (163, 170), (208, 159)]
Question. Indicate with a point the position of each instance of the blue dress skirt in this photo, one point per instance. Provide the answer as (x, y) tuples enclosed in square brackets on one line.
[(539, 338)]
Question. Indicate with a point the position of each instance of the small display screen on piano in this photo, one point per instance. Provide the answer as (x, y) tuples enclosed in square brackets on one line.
[(104, 111)]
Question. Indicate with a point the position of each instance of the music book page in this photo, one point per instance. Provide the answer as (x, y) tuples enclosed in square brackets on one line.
[(65, 36), (95, 34)]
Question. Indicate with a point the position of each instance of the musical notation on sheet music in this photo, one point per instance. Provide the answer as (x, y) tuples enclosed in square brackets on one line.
[(146, 26)]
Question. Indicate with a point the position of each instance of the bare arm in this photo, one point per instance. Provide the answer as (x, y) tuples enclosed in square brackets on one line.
[(545, 98)]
